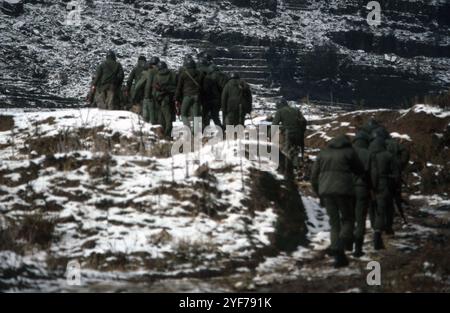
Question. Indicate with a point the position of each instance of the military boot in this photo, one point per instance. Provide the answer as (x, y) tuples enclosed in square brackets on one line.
[(358, 248), (340, 259), (378, 241)]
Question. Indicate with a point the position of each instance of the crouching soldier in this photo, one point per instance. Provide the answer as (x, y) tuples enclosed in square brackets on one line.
[(293, 127), (107, 82), (332, 180), (384, 174), (164, 86), (236, 101)]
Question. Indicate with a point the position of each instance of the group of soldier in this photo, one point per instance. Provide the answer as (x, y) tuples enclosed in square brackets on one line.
[(354, 178), (159, 94), (351, 177)]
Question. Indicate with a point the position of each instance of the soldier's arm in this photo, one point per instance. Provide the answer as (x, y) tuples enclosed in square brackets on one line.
[(98, 75), (404, 156), (315, 175), (395, 170), (131, 78), (224, 99), (120, 76), (179, 90), (277, 119)]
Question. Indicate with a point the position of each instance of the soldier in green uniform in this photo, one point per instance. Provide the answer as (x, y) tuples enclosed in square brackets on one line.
[(401, 157), (150, 109), (164, 86), (236, 101), (293, 127), (107, 82), (384, 174), (135, 75), (332, 180), (213, 86), (362, 191), (188, 91)]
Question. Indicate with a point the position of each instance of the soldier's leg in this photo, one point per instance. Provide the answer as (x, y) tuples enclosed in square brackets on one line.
[(361, 207), (186, 110), (100, 99), (346, 207), (146, 110), (382, 198), (166, 117), (110, 98), (334, 220), (153, 112), (389, 215), (215, 110)]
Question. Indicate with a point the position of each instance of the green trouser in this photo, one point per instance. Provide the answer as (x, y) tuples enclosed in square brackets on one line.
[(384, 203), (150, 111), (340, 210), (190, 108), (362, 199), (106, 97), (211, 112), (233, 118), (165, 116), (146, 110)]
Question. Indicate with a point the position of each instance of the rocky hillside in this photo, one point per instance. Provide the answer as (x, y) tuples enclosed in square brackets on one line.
[(324, 49)]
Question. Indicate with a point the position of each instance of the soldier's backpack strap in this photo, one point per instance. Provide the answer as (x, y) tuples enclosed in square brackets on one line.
[(192, 78)]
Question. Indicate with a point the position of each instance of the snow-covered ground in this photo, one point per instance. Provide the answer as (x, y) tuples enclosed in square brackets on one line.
[(128, 211)]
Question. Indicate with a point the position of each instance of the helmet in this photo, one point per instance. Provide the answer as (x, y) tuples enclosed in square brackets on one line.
[(362, 135), (189, 63), (282, 103), (235, 75), (380, 132), (142, 58), (162, 65), (154, 60), (111, 54)]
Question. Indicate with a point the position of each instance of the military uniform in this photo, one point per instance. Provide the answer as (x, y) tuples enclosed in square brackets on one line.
[(401, 157), (188, 92), (136, 95), (213, 85), (164, 86), (332, 180), (384, 173), (150, 108), (293, 127), (362, 191), (107, 82), (236, 101)]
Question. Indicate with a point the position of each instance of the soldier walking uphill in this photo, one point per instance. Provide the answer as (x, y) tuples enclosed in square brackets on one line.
[(150, 109), (213, 85), (236, 101), (188, 91), (135, 76), (332, 180), (107, 82), (293, 127), (384, 173), (362, 191), (164, 86)]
